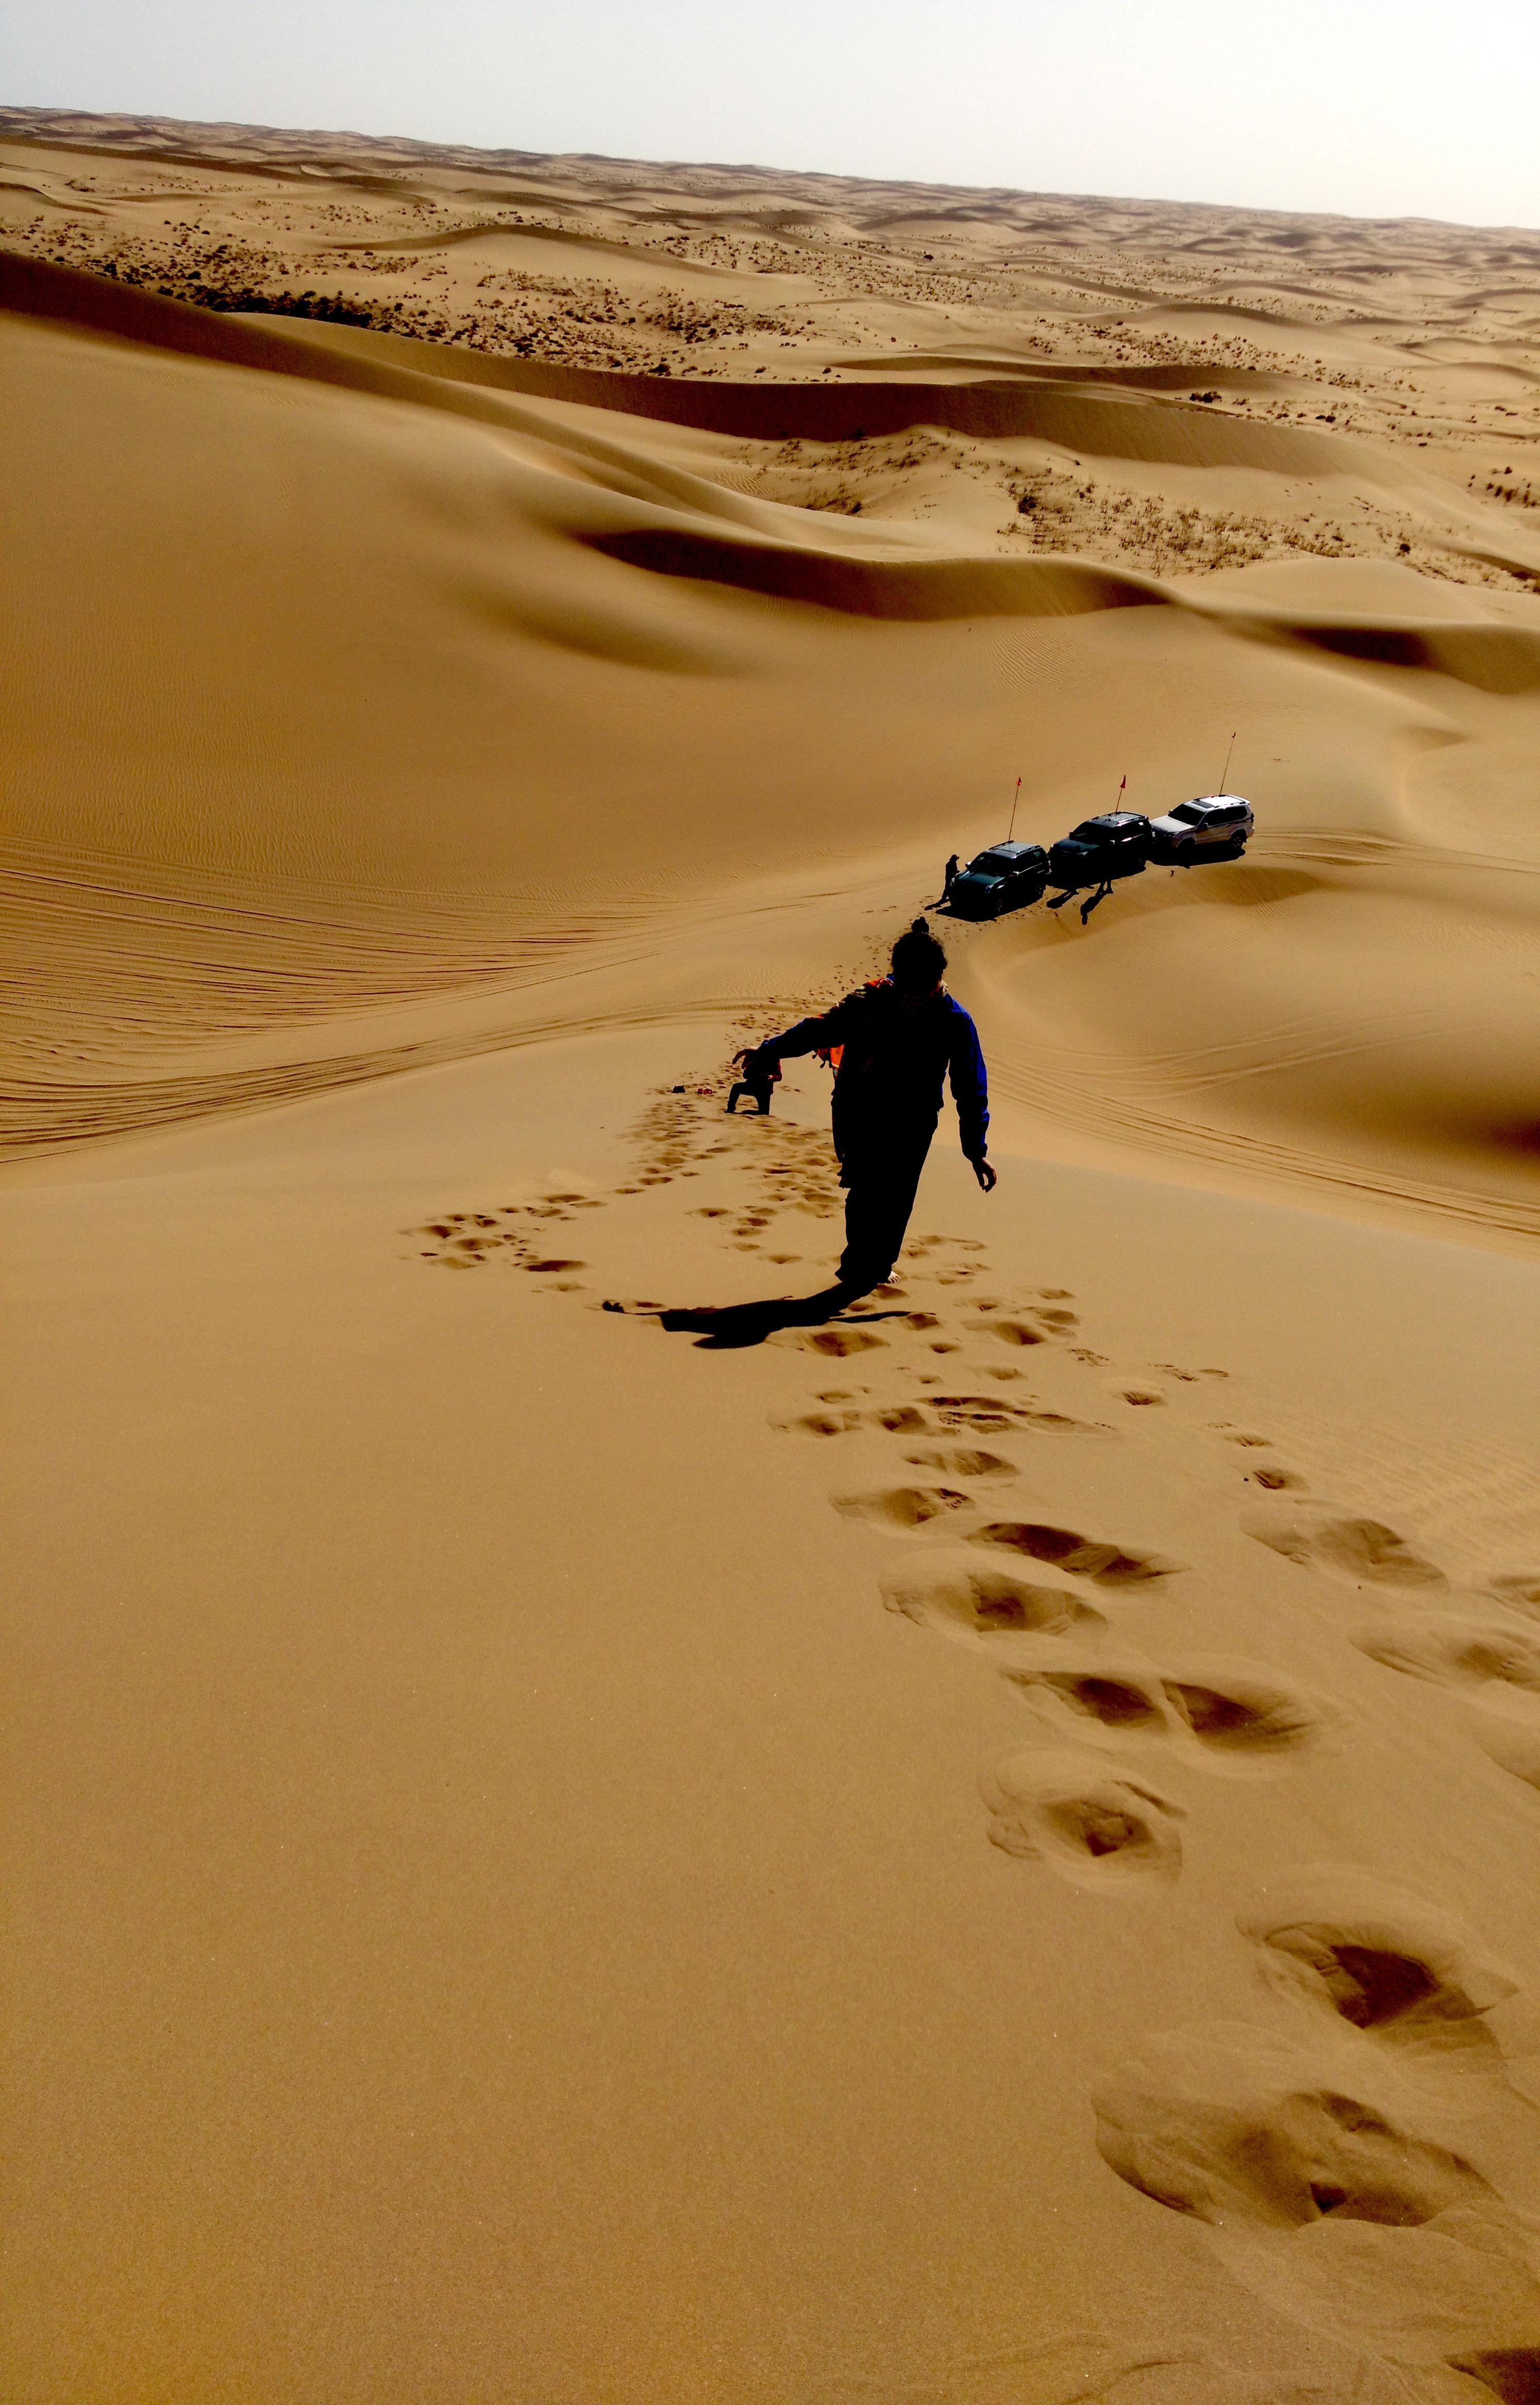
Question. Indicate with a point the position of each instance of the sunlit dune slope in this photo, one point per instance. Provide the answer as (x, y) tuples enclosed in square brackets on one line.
[(584, 1827), (376, 699)]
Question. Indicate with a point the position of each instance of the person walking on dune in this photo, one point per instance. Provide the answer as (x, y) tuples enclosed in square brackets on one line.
[(893, 1043)]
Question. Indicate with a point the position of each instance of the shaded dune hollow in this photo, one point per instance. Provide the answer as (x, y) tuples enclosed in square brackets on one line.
[(1081, 420)]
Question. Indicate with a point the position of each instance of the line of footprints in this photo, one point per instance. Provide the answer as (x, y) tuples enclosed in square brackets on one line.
[(1323, 2153), (1039, 1600), (1055, 1637), (1326, 2154)]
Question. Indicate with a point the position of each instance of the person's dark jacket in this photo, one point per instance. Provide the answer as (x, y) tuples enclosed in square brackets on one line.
[(887, 1086)]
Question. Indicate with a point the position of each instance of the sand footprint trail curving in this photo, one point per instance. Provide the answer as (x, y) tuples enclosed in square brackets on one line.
[(1423, 2264), (570, 1825), (1083, 1691)]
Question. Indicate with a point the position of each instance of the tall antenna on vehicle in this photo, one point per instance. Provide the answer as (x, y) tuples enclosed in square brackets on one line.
[(1228, 756), (1016, 798)]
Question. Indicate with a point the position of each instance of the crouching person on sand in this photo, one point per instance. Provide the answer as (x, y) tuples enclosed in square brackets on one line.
[(758, 1080), (893, 1043)]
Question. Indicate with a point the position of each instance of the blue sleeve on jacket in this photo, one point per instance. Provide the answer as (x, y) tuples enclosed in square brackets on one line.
[(812, 1034), (970, 1083)]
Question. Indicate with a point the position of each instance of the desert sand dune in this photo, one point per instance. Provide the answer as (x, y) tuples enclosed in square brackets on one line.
[(569, 1840), (626, 560)]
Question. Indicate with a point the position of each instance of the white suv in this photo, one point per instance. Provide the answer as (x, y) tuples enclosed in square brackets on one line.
[(1214, 827)]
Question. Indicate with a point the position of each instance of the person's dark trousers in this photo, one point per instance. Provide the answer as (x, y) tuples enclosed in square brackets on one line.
[(883, 1184)]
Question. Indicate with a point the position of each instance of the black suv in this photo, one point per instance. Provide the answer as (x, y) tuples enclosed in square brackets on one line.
[(1005, 878), (1118, 844)]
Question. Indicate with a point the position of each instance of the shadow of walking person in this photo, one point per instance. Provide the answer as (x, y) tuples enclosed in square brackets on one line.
[(727, 1327)]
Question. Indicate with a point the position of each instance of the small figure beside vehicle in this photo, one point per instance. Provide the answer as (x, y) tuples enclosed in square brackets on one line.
[(1005, 878), (1096, 854), (1116, 844)]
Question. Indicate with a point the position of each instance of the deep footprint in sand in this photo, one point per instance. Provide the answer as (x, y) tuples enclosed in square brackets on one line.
[(994, 1414), (1096, 1697), (991, 1610), (1319, 1536), (830, 1422), (1094, 1825), (903, 1507), (1492, 1666), (1226, 1714), (1239, 1712), (894, 1419), (1509, 2373), (1015, 1331), (834, 1343), (1087, 1557), (962, 1461), (1454, 1651), (1321, 2198), (1234, 2122), (1370, 1952)]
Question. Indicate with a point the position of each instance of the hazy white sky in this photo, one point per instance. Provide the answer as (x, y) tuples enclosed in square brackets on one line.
[(1376, 107)]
